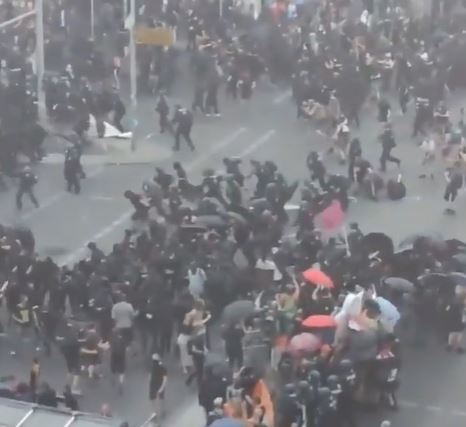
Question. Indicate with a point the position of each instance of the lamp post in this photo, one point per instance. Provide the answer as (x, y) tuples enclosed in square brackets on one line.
[(132, 51), (40, 66)]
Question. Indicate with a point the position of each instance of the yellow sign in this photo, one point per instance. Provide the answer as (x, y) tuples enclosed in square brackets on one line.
[(160, 36)]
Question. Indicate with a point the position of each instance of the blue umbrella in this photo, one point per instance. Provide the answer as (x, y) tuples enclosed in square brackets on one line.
[(227, 422), (388, 312)]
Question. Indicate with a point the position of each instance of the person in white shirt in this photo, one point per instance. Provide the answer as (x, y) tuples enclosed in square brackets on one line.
[(123, 315), (196, 279)]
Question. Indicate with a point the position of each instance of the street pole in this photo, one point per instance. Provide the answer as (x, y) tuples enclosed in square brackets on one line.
[(40, 66), (125, 8), (220, 7), (132, 53), (92, 20)]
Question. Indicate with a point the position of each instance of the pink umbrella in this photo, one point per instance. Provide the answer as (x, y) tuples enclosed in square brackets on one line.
[(303, 343)]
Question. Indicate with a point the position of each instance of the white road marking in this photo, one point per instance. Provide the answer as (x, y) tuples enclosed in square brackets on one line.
[(76, 254), (46, 203), (258, 143), (458, 413), (433, 408), (150, 135), (282, 97), (408, 404), (104, 198)]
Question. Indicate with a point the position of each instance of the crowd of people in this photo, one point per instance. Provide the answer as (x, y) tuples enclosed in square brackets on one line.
[(323, 312), (203, 263)]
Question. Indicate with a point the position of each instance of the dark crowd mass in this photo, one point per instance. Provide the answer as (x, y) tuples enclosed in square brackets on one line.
[(277, 309)]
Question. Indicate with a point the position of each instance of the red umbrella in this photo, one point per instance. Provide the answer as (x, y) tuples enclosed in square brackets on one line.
[(304, 342), (319, 321), (317, 277)]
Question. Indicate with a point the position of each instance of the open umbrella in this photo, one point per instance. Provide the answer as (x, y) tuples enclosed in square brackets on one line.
[(389, 314), (460, 259), (319, 321), (236, 218), (304, 342), (436, 280), (193, 228), (455, 246), (378, 242), (227, 422), (317, 277), (237, 311), (420, 238), (211, 221), (458, 278), (399, 284)]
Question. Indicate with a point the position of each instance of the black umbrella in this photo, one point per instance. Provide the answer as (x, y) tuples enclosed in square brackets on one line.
[(456, 246), (439, 280), (399, 284), (460, 259), (236, 218), (458, 278), (237, 311), (427, 238), (193, 228), (210, 221), (378, 242), (259, 204)]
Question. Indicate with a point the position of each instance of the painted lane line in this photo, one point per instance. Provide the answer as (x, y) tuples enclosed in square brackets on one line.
[(76, 254), (104, 198), (282, 97), (257, 144), (46, 203), (217, 148), (409, 404), (433, 408), (458, 413)]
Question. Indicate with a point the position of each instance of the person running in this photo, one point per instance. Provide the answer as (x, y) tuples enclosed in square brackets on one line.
[(157, 385)]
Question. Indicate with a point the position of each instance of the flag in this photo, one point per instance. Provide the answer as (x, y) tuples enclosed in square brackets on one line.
[(331, 218)]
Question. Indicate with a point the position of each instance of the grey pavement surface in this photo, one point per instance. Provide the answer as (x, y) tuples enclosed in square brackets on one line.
[(433, 386)]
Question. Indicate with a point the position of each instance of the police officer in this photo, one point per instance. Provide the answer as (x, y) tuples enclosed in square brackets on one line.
[(27, 180), (72, 170), (163, 110), (183, 119)]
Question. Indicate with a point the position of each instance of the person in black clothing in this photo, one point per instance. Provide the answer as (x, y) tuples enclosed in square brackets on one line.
[(164, 179), (183, 119), (388, 143), (180, 171), (354, 152), (233, 337), (118, 357), (211, 101), (317, 168), (163, 110), (27, 180), (47, 396), (197, 350), (157, 383), (384, 110), (119, 112), (72, 170), (454, 179), (69, 400)]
